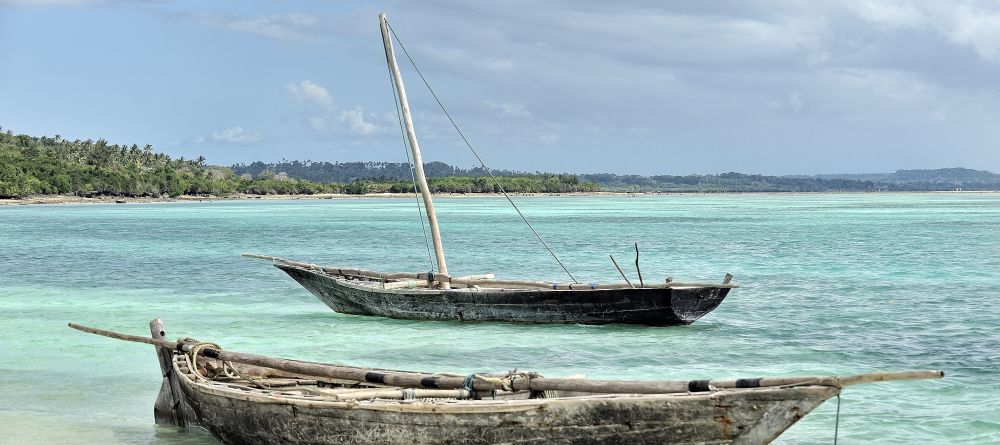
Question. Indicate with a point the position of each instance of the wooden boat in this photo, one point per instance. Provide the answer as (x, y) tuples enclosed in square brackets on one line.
[(438, 296), (252, 399), (418, 296)]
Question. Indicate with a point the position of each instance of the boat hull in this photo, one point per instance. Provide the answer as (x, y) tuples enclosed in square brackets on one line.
[(648, 306), (740, 416)]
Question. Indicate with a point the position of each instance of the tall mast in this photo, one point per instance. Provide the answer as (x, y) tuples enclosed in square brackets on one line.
[(418, 163)]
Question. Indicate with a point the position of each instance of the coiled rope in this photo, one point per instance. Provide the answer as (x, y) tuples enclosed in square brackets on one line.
[(228, 371)]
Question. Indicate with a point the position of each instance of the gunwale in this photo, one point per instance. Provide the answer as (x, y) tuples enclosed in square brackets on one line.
[(470, 406)]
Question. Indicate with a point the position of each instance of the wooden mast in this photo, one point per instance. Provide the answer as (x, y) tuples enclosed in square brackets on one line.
[(411, 135)]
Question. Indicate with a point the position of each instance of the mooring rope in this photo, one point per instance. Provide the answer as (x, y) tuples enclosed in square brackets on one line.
[(836, 426), (474, 152), (413, 178)]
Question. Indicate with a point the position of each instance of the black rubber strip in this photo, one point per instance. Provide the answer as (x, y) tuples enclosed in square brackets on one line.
[(698, 386), (375, 377), (748, 383)]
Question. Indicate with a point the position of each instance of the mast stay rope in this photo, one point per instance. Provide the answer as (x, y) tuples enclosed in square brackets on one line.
[(474, 152), (409, 162)]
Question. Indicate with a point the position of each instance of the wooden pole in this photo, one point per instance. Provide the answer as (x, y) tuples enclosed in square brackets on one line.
[(411, 135), (637, 270), (620, 271), (409, 379)]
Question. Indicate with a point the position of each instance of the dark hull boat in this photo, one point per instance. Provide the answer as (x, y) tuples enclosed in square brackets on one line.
[(245, 399), (438, 296), (658, 306)]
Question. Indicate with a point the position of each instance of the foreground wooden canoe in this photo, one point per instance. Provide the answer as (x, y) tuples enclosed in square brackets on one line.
[(251, 399), (482, 298)]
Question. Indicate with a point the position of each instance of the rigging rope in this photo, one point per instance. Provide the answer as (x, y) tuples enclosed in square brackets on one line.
[(474, 152), (406, 149)]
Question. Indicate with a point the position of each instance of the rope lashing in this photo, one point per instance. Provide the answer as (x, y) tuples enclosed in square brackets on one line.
[(228, 369), (409, 394), (504, 383), (467, 383)]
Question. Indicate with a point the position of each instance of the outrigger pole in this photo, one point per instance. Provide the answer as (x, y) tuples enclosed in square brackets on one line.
[(411, 135)]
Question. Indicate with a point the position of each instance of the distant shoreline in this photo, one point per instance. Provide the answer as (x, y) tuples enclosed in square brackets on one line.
[(73, 199)]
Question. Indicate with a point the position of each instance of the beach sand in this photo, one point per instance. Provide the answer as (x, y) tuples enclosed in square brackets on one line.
[(73, 199)]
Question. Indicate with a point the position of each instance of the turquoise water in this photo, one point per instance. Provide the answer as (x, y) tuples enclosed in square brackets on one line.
[(831, 284)]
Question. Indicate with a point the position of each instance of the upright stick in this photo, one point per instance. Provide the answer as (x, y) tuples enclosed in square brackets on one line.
[(621, 272), (637, 270), (411, 135)]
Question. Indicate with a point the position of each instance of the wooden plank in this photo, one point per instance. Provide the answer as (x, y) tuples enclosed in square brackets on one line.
[(167, 409)]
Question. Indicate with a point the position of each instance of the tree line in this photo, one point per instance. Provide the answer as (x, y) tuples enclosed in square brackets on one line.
[(53, 165)]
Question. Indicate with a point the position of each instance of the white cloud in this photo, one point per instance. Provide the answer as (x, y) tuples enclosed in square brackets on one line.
[(356, 120), (284, 26), (307, 91), (235, 134), (52, 2), (890, 13), (461, 57), (793, 103), (967, 23), (549, 138), (318, 123), (978, 29), (509, 109)]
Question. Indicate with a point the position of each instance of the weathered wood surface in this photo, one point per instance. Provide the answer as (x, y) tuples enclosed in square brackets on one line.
[(747, 416), (300, 411), (171, 406), (651, 306), (411, 379)]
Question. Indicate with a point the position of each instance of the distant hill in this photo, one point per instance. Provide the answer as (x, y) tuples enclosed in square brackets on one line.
[(948, 175), (927, 179), (902, 180)]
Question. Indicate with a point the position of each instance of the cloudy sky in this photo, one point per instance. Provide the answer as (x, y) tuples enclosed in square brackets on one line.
[(651, 87)]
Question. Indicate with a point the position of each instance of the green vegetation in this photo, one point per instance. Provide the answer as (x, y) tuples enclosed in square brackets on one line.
[(52, 165)]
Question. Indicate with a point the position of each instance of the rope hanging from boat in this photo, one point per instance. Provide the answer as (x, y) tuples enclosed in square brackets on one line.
[(409, 162), (474, 152), (836, 426)]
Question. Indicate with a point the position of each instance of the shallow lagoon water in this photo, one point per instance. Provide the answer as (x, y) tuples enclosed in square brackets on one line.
[(832, 284)]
